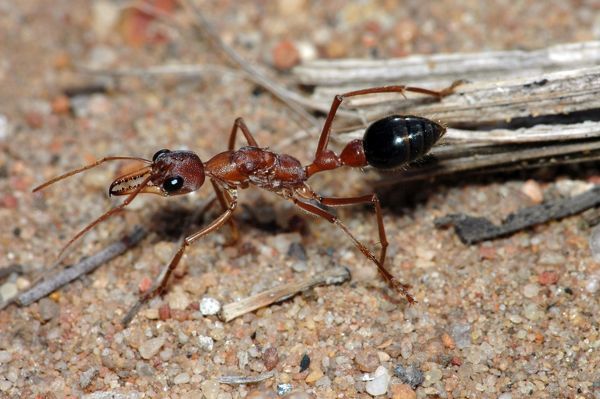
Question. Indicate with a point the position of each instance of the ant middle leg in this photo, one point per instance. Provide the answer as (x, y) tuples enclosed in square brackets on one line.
[(161, 282), (389, 277), (239, 123)]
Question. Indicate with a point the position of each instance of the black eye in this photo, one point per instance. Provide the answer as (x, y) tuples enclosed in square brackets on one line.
[(173, 184), (159, 153)]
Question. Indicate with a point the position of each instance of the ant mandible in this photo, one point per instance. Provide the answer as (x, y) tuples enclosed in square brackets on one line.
[(387, 144)]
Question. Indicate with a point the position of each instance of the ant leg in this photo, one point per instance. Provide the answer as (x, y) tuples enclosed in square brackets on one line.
[(240, 124), (162, 280), (372, 198), (337, 101), (235, 235), (315, 210)]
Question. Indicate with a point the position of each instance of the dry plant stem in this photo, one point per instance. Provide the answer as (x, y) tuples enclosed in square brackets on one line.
[(204, 27), (419, 69), (232, 310), (240, 379), (472, 230), (85, 266)]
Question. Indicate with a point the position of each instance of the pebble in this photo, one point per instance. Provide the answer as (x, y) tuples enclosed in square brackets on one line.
[(5, 385), (8, 291), (402, 391), (270, 358), (182, 378), (284, 389), (379, 384), (462, 335), (209, 306), (448, 341), (23, 284), (178, 299), (285, 55), (592, 284), (505, 395), (323, 382), (85, 379), (297, 251), (206, 342), (211, 389), (548, 278), (533, 191), (366, 361), (5, 357), (532, 312), (410, 375), (530, 290), (150, 348), (432, 376), (314, 375), (48, 309)]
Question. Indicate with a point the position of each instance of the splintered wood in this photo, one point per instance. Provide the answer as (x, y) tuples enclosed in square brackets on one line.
[(282, 292)]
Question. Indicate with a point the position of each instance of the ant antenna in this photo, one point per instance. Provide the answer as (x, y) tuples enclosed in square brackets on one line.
[(83, 169)]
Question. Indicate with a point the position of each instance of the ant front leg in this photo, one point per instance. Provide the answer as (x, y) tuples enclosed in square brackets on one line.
[(240, 124), (162, 280), (235, 235), (393, 281)]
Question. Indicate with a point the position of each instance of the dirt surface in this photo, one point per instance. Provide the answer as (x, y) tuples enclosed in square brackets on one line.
[(517, 317)]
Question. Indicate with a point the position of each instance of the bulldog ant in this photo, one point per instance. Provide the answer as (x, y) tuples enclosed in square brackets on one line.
[(387, 144)]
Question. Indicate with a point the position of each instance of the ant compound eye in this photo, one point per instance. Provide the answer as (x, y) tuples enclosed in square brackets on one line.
[(159, 153), (173, 184)]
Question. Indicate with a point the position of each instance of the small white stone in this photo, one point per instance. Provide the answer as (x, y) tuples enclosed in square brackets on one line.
[(8, 291), (5, 357), (209, 306), (505, 395), (206, 343), (182, 378), (151, 347), (530, 290), (178, 299), (592, 284), (379, 384)]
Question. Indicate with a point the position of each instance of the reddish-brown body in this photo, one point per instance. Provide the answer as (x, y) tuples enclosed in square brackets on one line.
[(179, 172), (257, 166)]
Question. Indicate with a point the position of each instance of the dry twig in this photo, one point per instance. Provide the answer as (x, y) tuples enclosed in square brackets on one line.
[(441, 69), (280, 293), (86, 265)]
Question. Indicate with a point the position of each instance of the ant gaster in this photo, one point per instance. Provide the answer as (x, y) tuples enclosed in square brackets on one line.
[(388, 143)]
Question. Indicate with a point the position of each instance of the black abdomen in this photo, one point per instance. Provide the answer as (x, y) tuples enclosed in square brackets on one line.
[(396, 140)]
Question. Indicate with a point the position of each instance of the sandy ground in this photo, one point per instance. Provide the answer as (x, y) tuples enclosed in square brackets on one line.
[(517, 317)]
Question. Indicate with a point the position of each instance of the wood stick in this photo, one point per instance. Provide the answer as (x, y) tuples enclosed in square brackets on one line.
[(280, 293), (441, 69), (472, 230), (86, 265)]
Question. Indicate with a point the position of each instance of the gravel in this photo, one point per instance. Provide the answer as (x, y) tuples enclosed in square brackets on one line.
[(510, 318)]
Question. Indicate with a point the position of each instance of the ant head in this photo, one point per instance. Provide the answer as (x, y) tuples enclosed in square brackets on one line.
[(170, 173)]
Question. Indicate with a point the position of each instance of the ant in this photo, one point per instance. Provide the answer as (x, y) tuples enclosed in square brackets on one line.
[(388, 143)]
